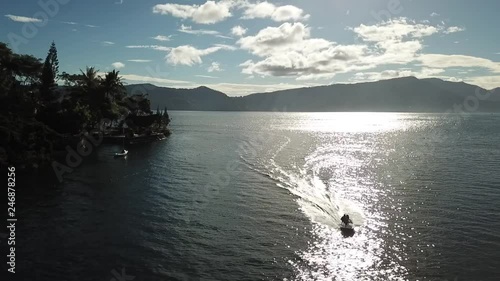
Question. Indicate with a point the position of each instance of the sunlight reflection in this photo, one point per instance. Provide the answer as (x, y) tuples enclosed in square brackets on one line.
[(351, 122), (334, 164), (347, 156)]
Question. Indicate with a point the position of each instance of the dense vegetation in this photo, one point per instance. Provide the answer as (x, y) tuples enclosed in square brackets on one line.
[(42, 111)]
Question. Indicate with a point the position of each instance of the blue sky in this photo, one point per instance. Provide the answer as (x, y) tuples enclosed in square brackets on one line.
[(245, 46)]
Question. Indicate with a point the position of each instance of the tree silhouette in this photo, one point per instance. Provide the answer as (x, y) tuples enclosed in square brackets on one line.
[(49, 75), (113, 86), (34, 120)]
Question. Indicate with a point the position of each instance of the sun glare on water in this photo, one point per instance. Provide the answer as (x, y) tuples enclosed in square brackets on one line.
[(339, 177), (352, 122)]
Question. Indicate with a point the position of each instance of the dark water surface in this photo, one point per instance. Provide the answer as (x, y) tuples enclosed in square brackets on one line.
[(258, 196)]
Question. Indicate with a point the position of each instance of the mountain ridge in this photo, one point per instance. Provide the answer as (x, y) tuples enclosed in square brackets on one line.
[(406, 94)]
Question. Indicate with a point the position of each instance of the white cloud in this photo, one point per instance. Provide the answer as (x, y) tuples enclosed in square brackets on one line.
[(400, 40), (190, 30), (107, 43), (149, 79), (76, 23), (287, 50), (118, 65), (154, 47), (22, 19), (453, 29), (213, 12), (162, 37), (434, 14), (225, 47), (259, 10), (268, 10), (394, 52), (487, 82), (272, 39), (222, 36), (139, 60), (238, 30), (288, 12), (208, 13), (389, 74), (214, 67), (396, 29), (306, 65), (207, 76), (189, 55), (461, 61), (401, 43)]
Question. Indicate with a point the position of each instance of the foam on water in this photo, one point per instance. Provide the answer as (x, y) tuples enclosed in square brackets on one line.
[(315, 198), (324, 179)]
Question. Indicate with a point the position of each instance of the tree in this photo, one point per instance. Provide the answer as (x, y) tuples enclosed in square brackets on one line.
[(90, 79), (19, 77), (49, 75), (166, 117), (32, 117), (23, 139), (138, 104), (92, 93), (6, 73), (27, 70), (71, 80), (113, 86)]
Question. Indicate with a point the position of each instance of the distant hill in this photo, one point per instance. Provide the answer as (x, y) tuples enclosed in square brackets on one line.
[(407, 94), (201, 98)]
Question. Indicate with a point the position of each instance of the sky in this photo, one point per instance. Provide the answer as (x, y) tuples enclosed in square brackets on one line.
[(245, 46)]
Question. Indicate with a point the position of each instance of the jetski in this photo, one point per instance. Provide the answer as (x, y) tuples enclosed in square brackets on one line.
[(347, 229)]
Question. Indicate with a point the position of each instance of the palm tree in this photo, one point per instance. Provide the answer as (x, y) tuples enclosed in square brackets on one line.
[(91, 92), (113, 86), (90, 86), (90, 79)]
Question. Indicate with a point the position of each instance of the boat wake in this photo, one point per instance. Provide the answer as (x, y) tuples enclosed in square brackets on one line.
[(315, 196)]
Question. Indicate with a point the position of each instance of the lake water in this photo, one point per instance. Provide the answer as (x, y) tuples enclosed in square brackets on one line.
[(258, 196)]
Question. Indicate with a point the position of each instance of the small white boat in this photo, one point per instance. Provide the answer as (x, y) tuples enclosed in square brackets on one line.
[(124, 152), (121, 154)]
